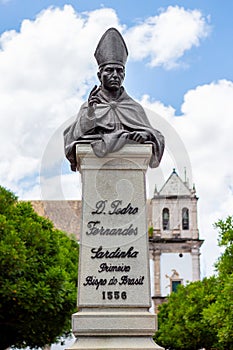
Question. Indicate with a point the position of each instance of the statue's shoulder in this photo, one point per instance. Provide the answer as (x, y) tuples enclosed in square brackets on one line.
[(84, 105), (82, 110), (131, 100)]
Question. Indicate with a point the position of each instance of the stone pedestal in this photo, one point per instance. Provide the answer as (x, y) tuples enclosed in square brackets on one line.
[(113, 283)]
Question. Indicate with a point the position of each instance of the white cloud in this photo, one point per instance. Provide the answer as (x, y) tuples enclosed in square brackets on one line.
[(205, 127), (48, 67), (166, 37)]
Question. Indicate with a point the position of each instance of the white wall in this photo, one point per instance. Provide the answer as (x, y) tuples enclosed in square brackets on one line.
[(182, 265)]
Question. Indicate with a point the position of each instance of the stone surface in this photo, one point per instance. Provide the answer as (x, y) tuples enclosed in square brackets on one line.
[(65, 215), (113, 266), (114, 284), (120, 322), (115, 343)]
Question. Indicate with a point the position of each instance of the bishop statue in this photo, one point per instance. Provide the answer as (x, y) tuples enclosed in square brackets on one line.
[(111, 118)]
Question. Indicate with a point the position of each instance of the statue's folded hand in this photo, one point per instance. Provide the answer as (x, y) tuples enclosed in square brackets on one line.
[(139, 136)]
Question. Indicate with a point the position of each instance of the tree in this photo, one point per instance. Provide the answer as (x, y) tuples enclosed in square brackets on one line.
[(200, 314), (38, 274), (220, 314), (225, 239), (181, 325)]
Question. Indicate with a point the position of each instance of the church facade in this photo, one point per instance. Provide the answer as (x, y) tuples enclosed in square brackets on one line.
[(174, 237)]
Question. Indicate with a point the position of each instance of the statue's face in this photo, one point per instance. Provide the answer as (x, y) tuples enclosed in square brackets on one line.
[(112, 76)]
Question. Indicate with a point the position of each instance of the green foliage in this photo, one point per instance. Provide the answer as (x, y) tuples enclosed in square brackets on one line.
[(220, 314), (150, 231), (200, 314), (181, 323), (225, 239), (37, 277)]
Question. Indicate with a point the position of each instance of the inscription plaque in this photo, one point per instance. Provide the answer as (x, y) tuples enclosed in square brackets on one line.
[(113, 262), (114, 268)]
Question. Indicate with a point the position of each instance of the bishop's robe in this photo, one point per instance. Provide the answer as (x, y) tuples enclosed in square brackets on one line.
[(110, 128)]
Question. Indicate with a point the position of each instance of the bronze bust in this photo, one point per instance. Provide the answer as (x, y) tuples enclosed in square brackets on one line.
[(110, 118)]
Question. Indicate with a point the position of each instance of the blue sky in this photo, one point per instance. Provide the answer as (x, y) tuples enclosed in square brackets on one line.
[(179, 68), (212, 60)]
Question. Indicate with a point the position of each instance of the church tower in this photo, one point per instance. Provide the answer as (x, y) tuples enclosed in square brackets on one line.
[(174, 243)]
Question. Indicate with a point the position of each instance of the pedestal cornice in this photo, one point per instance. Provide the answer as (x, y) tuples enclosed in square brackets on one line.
[(130, 157)]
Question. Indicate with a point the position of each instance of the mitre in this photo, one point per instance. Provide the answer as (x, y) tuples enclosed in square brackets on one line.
[(111, 49)]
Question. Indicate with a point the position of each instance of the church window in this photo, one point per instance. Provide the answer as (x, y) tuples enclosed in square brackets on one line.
[(175, 285), (166, 219), (175, 280), (185, 219)]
